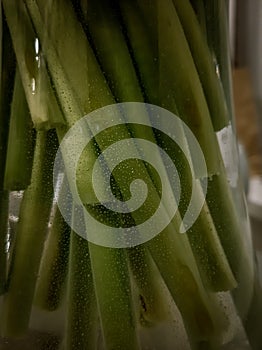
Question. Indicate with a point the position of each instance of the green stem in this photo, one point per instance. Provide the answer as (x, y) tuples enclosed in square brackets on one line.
[(116, 61), (203, 235), (20, 142), (54, 261), (41, 100), (200, 51), (154, 307), (113, 293), (217, 29), (112, 51), (7, 72), (203, 319), (77, 77), (181, 78), (209, 253), (29, 244), (82, 318), (200, 11), (143, 51), (232, 237), (148, 10)]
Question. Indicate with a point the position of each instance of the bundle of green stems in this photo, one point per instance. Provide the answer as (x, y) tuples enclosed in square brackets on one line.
[(62, 59)]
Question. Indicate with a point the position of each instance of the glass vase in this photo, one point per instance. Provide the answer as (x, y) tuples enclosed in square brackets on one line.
[(123, 222)]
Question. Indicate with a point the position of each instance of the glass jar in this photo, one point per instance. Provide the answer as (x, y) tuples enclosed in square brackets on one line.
[(123, 218)]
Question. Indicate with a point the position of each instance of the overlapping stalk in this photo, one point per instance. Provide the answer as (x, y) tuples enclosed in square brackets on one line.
[(74, 57), (7, 81)]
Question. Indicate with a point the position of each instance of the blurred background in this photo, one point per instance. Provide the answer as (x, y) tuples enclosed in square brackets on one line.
[(246, 54)]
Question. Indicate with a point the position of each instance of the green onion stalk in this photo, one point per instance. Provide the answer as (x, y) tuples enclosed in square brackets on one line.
[(66, 59), (7, 73)]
